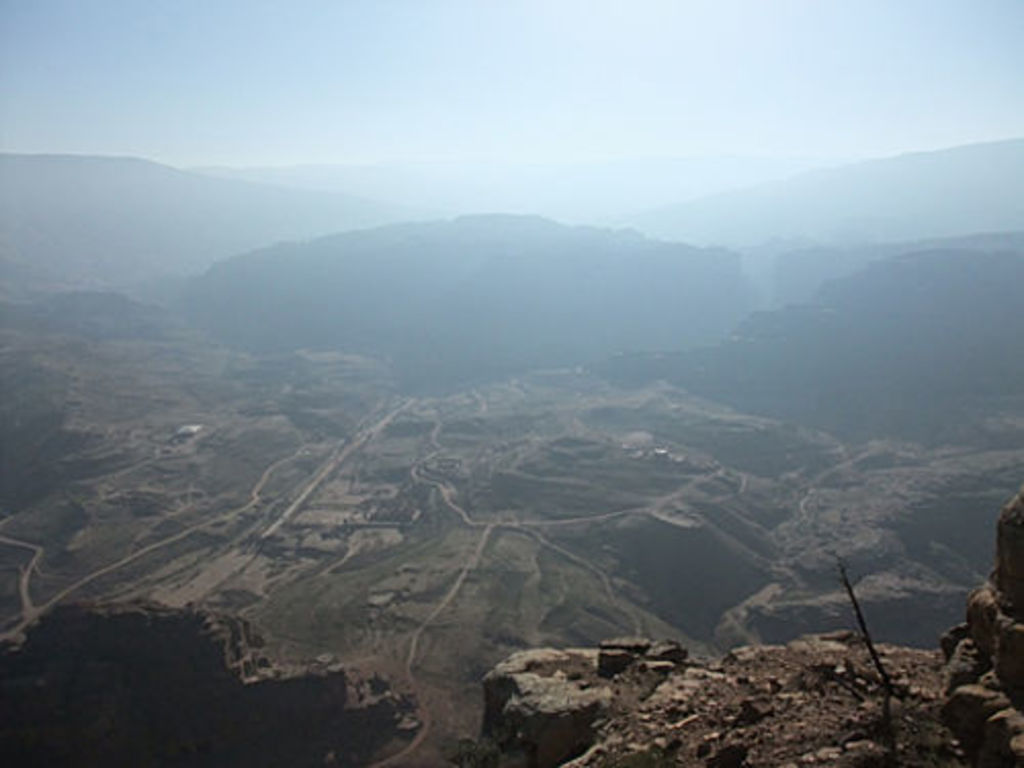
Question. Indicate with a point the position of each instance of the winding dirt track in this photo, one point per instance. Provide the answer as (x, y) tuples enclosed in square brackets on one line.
[(587, 565), (531, 529), (27, 607), (414, 641), (31, 612), (469, 565), (472, 561)]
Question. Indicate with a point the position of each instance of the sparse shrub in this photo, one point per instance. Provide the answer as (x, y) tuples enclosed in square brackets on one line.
[(475, 754)]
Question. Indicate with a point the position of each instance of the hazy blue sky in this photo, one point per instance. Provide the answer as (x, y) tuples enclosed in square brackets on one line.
[(253, 82)]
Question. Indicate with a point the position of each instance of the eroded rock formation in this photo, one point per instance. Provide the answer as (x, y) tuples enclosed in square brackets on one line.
[(985, 656), (814, 701), (817, 700), (138, 685), (543, 704)]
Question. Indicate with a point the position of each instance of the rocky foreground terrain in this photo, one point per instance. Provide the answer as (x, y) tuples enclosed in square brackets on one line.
[(139, 684), (814, 701), (818, 700), (986, 655)]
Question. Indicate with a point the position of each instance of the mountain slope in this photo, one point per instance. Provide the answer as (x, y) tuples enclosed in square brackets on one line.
[(924, 346), (474, 297), (798, 274), (972, 188), (581, 192), (80, 221)]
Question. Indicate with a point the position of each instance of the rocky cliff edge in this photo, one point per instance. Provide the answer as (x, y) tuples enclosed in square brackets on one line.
[(817, 700), (985, 672)]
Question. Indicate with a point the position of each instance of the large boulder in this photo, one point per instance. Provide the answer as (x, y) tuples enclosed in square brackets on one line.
[(668, 650), (968, 709), (983, 618), (965, 665), (536, 705), (1003, 744), (612, 661), (1010, 659)]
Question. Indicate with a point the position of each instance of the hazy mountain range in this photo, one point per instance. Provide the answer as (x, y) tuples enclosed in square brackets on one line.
[(583, 193), (100, 222), (474, 297), (972, 188), (80, 221), (588, 426), (923, 346), (797, 274)]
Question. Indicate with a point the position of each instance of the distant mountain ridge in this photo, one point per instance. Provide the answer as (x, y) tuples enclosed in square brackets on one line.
[(474, 297), (595, 192), (956, 191), (76, 221), (924, 346), (797, 274)]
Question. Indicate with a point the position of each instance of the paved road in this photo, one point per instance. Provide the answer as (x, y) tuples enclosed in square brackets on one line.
[(340, 455)]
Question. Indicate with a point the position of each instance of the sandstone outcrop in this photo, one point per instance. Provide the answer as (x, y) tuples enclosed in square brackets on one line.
[(542, 704), (815, 701), (985, 656)]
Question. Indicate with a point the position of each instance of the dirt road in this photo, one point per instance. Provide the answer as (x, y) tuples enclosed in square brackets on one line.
[(30, 612), (341, 454), (27, 607)]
